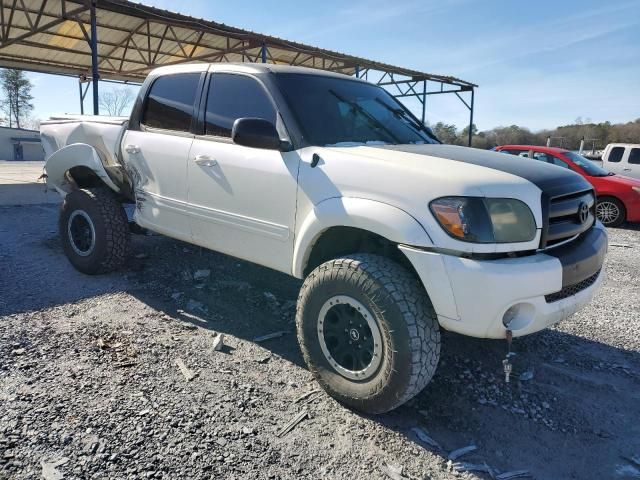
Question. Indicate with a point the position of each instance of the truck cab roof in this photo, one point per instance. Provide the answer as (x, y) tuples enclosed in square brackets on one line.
[(246, 67)]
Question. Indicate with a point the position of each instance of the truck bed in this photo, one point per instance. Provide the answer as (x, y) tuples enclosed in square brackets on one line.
[(102, 133)]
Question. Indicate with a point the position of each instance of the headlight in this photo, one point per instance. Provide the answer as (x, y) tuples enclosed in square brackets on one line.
[(485, 220)]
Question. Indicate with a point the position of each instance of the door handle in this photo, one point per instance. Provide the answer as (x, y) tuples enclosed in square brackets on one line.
[(132, 149), (205, 161), (626, 169)]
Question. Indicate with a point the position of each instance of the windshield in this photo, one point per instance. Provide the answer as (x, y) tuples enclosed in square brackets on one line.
[(587, 165), (341, 112)]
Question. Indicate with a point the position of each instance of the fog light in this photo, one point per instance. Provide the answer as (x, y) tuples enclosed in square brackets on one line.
[(518, 316), (509, 315)]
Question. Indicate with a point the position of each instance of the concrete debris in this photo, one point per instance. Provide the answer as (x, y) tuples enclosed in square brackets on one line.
[(102, 344), (393, 472), (188, 374), (424, 437), (270, 336), (218, 342), (455, 454), (49, 470), (18, 351), (201, 274), (293, 423), (304, 396), (513, 474)]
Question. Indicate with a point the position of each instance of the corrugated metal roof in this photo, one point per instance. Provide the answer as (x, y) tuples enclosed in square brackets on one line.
[(52, 36)]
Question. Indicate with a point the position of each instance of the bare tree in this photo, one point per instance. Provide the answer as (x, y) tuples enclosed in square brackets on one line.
[(17, 95), (116, 101)]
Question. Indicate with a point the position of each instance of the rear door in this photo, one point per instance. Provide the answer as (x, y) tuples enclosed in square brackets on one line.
[(156, 153), (242, 200), (632, 166), (614, 160)]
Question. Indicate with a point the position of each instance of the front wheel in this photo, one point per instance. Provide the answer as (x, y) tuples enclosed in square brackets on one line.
[(368, 332), (610, 211), (94, 230)]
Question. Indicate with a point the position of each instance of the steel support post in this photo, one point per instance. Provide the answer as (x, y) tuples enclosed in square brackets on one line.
[(471, 116), (81, 97), (424, 101), (264, 52), (94, 58)]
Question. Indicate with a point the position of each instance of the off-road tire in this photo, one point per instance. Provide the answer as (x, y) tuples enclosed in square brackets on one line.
[(112, 236), (622, 212), (406, 320)]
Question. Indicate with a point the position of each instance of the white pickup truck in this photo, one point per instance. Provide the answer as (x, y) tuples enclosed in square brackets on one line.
[(621, 158), (332, 180)]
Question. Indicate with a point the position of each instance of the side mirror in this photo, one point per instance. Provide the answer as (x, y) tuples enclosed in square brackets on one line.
[(255, 133)]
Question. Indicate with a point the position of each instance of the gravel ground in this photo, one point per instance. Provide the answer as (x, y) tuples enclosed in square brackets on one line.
[(90, 387)]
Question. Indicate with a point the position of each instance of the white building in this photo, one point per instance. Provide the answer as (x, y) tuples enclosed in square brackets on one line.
[(20, 144)]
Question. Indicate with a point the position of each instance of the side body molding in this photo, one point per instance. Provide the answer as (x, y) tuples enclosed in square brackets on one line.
[(377, 217), (75, 155)]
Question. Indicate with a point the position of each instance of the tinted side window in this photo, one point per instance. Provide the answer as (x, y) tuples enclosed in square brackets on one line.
[(170, 102), (235, 96), (634, 156), (545, 157), (519, 153), (615, 155)]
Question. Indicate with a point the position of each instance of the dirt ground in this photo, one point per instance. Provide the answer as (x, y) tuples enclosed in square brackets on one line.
[(89, 386)]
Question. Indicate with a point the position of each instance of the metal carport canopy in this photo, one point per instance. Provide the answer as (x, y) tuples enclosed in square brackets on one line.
[(123, 40)]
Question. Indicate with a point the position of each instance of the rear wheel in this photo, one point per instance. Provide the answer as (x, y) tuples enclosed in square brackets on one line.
[(610, 211), (94, 230), (368, 332)]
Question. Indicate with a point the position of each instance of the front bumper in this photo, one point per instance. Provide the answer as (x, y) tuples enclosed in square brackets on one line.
[(471, 297)]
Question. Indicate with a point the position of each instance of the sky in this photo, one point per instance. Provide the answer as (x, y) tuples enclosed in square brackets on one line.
[(538, 64)]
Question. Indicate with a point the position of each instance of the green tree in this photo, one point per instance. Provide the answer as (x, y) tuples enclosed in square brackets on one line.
[(17, 95), (446, 133)]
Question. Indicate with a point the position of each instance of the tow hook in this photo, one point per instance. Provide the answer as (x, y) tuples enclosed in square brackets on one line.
[(507, 366)]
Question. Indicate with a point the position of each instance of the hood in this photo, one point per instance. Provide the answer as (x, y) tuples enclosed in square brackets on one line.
[(409, 177), (622, 180), (550, 179)]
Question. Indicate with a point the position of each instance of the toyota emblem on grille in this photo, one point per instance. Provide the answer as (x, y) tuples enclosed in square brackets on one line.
[(583, 212)]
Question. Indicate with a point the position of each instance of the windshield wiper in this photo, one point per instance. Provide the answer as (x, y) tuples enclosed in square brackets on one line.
[(375, 123), (400, 112)]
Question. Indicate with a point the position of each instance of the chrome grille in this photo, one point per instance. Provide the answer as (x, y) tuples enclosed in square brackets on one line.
[(569, 216)]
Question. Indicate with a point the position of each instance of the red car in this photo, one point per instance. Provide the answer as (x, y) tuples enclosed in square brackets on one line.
[(618, 196)]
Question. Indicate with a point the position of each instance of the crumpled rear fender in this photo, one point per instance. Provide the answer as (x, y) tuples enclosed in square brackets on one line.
[(75, 155)]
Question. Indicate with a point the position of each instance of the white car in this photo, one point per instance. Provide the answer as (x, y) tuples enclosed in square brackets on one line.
[(332, 180), (621, 158)]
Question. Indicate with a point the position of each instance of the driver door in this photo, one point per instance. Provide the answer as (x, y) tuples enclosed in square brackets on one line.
[(241, 200)]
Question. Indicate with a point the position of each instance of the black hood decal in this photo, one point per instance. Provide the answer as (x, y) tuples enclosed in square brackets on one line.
[(553, 181)]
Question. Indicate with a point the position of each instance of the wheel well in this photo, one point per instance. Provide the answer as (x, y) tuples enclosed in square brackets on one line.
[(84, 177), (339, 241)]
